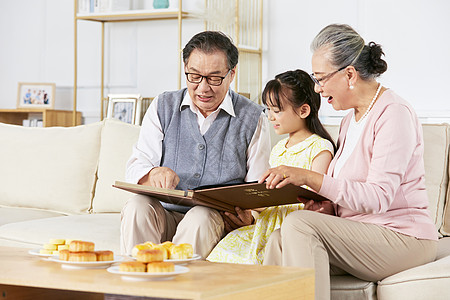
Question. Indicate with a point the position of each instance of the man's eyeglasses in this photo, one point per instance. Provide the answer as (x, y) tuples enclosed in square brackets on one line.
[(321, 81), (211, 80)]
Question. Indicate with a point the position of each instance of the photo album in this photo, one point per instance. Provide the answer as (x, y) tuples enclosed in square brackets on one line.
[(248, 195)]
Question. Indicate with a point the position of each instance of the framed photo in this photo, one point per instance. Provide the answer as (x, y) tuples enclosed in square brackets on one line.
[(36, 95), (125, 107)]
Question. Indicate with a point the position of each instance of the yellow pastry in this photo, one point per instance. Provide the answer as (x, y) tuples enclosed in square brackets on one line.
[(68, 241), (168, 245), (45, 251), (155, 267), (64, 254), (136, 249), (164, 250), (57, 241), (81, 246), (151, 255), (132, 266), (51, 247), (181, 251), (105, 255), (62, 247), (82, 256)]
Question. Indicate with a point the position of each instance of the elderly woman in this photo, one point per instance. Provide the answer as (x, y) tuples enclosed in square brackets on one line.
[(376, 222)]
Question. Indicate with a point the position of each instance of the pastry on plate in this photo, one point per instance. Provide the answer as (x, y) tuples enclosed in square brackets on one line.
[(81, 246), (152, 255), (132, 266), (156, 267), (139, 247), (181, 251), (64, 254), (104, 255), (82, 256)]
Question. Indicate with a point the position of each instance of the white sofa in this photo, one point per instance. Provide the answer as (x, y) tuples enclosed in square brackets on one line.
[(57, 183)]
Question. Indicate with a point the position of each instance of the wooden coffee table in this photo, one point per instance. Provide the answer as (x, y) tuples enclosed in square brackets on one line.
[(23, 276)]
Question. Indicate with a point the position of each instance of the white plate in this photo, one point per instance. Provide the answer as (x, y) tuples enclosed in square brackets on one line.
[(145, 276), (36, 252), (85, 264), (183, 261)]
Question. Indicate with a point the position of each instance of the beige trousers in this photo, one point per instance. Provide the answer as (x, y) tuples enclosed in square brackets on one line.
[(144, 219), (336, 246)]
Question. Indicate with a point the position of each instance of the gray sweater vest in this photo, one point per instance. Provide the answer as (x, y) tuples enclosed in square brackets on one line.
[(217, 157)]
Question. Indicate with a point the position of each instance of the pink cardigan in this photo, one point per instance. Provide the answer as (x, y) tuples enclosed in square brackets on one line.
[(383, 181)]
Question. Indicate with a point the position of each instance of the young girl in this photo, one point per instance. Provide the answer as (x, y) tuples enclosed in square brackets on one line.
[(292, 107)]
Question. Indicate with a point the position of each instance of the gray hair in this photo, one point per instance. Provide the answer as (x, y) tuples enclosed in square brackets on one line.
[(347, 48)]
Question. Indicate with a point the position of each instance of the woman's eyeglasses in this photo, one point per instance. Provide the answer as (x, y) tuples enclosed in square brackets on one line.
[(321, 81)]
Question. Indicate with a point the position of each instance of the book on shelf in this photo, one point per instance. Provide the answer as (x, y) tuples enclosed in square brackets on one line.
[(225, 197), (32, 123)]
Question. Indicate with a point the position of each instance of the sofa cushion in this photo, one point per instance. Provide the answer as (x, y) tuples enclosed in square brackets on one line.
[(347, 287), (117, 143), (49, 168), (430, 281), (102, 229), (436, 139), (14, 214), (445, 229)]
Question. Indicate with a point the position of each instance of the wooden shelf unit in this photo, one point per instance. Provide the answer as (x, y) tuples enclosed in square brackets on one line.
[(124, 16), (245, 28), (50, 117)]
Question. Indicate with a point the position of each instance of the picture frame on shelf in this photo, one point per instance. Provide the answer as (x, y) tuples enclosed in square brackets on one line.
[(36, 95), (125, 107)]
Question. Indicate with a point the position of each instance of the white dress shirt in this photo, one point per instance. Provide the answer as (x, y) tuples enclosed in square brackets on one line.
[(147, 151)]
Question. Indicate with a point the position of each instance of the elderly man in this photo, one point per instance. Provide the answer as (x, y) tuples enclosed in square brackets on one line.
[(205, 134)]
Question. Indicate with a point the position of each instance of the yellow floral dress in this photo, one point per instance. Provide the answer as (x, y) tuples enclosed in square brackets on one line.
[(246, 245)]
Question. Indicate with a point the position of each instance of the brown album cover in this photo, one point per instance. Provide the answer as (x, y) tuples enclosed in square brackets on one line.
[(246, 195)]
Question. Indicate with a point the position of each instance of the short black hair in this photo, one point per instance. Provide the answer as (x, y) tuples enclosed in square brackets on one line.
[(211, 41)]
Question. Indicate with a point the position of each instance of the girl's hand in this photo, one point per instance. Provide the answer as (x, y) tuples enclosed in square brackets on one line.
[(325, 207), (282, 175), (242, 218)]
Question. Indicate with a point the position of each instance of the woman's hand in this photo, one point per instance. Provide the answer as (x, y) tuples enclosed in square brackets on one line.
[(242, 218), (325, 207), (283, 175), (280, 176)]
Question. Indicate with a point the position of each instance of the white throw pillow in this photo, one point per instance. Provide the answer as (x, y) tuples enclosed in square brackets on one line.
[(117, 143), (49, 168), (436, 141)]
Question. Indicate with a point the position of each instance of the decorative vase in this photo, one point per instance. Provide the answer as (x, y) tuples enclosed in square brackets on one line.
[(160, 3)]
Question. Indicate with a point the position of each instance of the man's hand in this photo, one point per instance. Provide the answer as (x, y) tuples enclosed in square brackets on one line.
[(242, 218), (161, 177)]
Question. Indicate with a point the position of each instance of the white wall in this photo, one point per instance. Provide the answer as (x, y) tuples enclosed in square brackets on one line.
[(414, 35), (37, 46)]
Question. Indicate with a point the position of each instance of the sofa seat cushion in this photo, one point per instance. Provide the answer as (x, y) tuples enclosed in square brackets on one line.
[(347, 287), (49, 168), (117, 143), (102, 229), (11, 214), (430, 281), (443, 248)]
